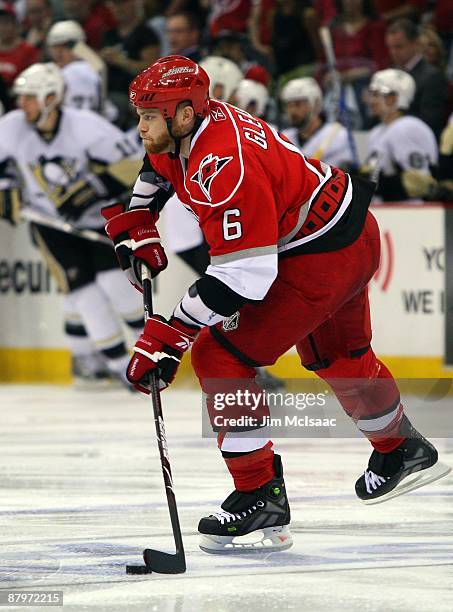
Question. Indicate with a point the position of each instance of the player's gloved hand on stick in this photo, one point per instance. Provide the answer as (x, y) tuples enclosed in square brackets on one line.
[(160, 347), (136, 240)]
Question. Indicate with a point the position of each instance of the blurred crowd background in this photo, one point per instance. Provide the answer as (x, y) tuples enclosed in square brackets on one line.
[(271, 42)]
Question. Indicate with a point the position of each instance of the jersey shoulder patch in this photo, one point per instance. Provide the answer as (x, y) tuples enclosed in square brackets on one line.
[(216, 167)]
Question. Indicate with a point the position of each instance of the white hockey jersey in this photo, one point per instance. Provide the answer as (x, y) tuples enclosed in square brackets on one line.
[(405, 144), (329, 143), (84, 144), (83, 86)]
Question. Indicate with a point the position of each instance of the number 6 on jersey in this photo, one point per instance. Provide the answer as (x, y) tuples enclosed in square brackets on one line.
[(231, 229)]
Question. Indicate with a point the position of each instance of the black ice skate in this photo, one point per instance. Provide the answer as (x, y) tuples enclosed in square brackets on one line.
[(250, 522), (410, 466)]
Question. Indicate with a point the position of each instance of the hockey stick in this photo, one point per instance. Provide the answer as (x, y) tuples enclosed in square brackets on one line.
[(63, 226), (338, 107), (156, 560)]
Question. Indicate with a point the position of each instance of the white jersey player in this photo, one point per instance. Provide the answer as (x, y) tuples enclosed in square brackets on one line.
[(400, 142), (65, 164), (302, 99), (252, 97), (83, 84)]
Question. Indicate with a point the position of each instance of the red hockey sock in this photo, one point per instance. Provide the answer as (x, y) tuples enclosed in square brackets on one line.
[(252, 470)]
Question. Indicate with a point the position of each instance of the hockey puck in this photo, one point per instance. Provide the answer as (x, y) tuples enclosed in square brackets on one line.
[(138, 569)]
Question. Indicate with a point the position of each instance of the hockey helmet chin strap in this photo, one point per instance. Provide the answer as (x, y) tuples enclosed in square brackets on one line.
[(198, 121)]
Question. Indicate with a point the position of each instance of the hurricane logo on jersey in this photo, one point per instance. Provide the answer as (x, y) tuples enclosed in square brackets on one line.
[(209, 168)]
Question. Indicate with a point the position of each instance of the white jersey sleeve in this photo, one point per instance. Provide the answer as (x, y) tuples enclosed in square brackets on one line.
[(405, 144)]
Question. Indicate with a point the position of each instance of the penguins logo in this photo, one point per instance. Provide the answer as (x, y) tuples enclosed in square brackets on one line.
[(209, 168)]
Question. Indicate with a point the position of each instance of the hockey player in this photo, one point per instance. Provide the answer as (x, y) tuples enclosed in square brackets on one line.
[(292, 249), (83, 84), (183, 234), (68, 164), (252, 97), (400, 142), (421, 185), (302, 100)]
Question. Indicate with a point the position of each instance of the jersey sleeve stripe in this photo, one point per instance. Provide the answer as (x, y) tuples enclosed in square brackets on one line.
[(303, 213), (245, 254)]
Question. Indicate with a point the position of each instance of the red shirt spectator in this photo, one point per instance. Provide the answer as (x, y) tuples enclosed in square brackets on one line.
[(443, 16), (366, 47), (395, 9), (95, 18), (15, 54), (231, 15)]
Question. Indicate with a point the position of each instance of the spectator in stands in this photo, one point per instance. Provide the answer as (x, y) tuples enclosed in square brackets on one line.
[(15, 53), (432, 48), (128, 48), (232, 15), (95, 18), (291, 40), (261, 25), (38, 19), (236, 47), (359, 43), (400, 143), (430, 101), (389, 10), (183, 33)]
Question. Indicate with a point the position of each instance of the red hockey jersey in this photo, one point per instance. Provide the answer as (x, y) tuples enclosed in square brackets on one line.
[(255, 196), (248, 185)]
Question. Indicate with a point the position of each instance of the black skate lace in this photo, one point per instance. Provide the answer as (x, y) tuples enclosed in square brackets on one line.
[(373, 481), (230, 517)]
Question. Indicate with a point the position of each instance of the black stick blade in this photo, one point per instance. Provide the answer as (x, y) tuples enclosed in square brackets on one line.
[(164, 563)]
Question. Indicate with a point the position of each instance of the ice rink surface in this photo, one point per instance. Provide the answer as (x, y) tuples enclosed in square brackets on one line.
[(82, 495)]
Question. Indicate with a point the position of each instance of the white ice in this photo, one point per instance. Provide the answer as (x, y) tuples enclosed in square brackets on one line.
[(82, 495)]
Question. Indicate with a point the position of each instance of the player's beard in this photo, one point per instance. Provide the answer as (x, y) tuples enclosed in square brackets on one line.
[(159, 145)]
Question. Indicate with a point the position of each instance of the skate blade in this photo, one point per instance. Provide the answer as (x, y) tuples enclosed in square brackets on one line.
[(266, 540), (412, 482)]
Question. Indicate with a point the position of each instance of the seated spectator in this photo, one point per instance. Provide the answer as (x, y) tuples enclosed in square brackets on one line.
[(228, 15), (389, 10), (83, 85), (400, 143), (261, 25), (95, 18), (15, 53), (432, 48), (237, 48), (288, 30), (431, 96), (127, 49), (183, 33), (38, 19), (315, 137)]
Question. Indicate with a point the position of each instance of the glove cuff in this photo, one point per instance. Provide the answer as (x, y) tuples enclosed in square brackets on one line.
[(123, 222), (189, 330)]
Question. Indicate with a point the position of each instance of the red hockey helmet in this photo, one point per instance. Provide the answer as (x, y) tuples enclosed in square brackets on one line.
[(169, 81)]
